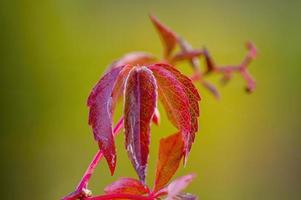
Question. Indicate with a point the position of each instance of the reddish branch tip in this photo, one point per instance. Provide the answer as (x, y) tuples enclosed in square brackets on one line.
[(180, 100)]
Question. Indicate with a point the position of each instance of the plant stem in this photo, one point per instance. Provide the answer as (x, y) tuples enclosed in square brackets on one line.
[(87, 175), (89, 171)]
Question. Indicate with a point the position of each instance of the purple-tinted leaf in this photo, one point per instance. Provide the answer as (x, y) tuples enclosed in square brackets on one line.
[(118, 90), (126, 186), (139, 108), (100, 115)]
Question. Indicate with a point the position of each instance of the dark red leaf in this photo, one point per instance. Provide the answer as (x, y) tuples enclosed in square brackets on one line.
[(100, 115), (118, 89), (193, 98), (139, 108), (168, 37), (170, 154), (126, 186)]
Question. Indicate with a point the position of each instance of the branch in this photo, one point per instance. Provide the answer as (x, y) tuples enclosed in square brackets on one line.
[(226, 71), (81, 190)]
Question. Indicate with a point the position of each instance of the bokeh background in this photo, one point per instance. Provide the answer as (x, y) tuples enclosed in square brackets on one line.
[(53, 52)]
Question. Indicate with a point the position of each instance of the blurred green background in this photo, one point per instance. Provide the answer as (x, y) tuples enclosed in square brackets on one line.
[(53, 52)]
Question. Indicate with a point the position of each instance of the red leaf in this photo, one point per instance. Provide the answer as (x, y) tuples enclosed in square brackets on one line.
[(170, 155), (177, 186), (173, 97), (191, 94), (168, 37), (128, 61), (134, 58), (126, 186), (139, 108), (100, 115)]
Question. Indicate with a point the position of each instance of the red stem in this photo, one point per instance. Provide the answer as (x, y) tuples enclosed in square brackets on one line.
[(88, 173)]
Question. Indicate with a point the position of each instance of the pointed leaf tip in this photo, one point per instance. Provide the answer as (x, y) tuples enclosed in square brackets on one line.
[(168, 37), (156, 117), (139, 108)]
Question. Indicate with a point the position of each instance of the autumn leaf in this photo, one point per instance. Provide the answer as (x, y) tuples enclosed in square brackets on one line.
[(173, 98), (170, 155), (100, 115), (118, 90), (193, 97), (126, 186), (139, 108), (168, 37)]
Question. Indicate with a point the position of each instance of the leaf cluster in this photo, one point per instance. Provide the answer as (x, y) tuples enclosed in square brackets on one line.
[(141, 81)]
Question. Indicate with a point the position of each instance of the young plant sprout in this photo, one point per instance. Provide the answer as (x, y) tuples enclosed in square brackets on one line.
[(141, 80)]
